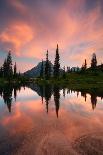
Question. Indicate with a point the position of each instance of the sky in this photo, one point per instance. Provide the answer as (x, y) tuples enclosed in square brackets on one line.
[(29, 27)]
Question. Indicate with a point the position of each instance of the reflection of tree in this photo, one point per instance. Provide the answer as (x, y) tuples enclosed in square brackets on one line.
[(68, 91), (47, 93), (84, 95), (15, 93), (93, 101), (7, 96), (57, 98), (64, 92), (77, 94), (42, 93)]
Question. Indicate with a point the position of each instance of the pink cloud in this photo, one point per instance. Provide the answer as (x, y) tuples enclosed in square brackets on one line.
[(18, 35), (78, 35)]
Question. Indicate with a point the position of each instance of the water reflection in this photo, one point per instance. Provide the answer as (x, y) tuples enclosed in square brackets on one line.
[(9, 95), (56, 91), (47, 91)]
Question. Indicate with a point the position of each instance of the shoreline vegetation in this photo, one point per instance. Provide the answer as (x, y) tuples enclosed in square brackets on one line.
[(74, 78), (77, 82)]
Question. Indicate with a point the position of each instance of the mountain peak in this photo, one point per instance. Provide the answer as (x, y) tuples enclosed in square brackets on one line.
[(35, 71)]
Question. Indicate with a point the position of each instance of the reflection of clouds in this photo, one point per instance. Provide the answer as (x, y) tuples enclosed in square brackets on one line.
[(26, 95), (75, 115)]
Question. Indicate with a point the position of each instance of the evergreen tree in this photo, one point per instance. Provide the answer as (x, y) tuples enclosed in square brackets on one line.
[(102, 67), (47, 67), (5, 69), (9, 64), (42, 70), (64, 72), (93, 61), (15, 70), (57, 64), (1, 72), (68, 69), (84, 66)]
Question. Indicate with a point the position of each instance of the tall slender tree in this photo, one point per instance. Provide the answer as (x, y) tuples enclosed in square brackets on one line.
[(42, 70), (93, 61), (5, 69), (64, 72), (47, 67), (1, 71), (57, 64), (9, 65), (15, 70), (84, 66)]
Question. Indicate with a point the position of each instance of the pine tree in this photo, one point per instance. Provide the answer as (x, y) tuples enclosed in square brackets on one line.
[(84, 66), (9, 65), (47, 67), (1, 71), (57, 64), (42, 70), (93, 61), (68, 69), (15, 70), (102, 67), (64, 73), (5, 69)]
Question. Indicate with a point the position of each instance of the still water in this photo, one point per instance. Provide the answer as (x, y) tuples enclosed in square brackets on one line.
[(50, 121)]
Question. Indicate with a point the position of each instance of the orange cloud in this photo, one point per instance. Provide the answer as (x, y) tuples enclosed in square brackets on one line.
[(18, 34), (77, 31)]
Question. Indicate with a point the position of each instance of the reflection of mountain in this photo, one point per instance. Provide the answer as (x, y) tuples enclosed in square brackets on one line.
[(46, 92), (9, 92), (41, 90)]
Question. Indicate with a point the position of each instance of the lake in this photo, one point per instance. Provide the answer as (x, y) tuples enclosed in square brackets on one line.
[(50, 120)]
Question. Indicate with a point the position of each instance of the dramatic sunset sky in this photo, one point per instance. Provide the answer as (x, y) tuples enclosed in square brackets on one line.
[(30, 27)]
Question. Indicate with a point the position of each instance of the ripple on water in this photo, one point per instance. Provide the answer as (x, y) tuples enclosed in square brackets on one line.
[(91, 144), (55, 144)]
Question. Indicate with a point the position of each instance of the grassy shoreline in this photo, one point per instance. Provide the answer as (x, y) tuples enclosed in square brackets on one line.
[(72, 81), (75, 81), (13, 81)]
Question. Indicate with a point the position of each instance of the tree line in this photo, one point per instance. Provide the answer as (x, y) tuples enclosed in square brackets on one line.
[(93, 66), (8, 70), (46, 69)]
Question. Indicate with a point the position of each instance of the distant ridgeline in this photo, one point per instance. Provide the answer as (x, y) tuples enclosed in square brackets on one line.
[(35, 71), (46, 69)]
